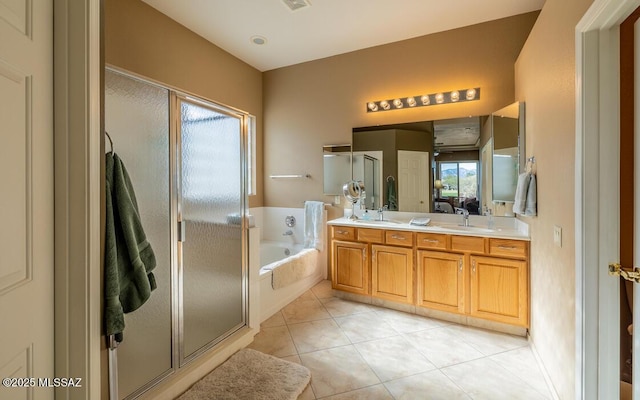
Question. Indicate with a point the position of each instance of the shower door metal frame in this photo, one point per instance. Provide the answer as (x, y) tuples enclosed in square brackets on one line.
[(177, 98), (175, 263)]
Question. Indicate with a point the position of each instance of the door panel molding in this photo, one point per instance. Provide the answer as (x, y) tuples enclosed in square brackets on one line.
[(18, 17), (19, 366), (17, 266)]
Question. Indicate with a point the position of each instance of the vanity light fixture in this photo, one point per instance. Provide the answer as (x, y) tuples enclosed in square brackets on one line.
[(454, 96), (471, 94)]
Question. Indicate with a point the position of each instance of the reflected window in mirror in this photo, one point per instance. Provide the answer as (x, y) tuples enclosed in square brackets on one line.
[(337, 167), (460, 182)]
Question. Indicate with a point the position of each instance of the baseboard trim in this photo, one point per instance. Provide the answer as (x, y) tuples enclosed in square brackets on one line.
[(543, 369)]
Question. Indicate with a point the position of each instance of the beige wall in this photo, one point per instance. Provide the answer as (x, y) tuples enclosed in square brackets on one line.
[(545, 81), (313, 104), (142, 40)]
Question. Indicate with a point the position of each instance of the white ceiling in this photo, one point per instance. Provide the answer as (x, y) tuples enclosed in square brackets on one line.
[(327, 27)]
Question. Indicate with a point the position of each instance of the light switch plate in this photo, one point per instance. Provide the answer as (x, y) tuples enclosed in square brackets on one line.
[(336, 200), (557, 235)]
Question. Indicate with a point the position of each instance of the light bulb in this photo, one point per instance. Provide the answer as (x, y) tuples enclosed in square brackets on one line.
[(455, 96), (372, 106), (385, 104), (425, 100), (411, 101), (471, 94), (398, 103), (439, 98)]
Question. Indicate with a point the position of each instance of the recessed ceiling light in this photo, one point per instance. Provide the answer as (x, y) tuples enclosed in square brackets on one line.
[(259, 40)]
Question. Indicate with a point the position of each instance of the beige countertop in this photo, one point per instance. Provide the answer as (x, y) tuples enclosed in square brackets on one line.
[(504, 228)]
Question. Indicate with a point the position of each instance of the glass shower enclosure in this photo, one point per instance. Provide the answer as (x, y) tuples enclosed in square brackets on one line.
[(186, 158)]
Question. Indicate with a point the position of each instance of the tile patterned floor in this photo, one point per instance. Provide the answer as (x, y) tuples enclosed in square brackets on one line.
[(359, 351)]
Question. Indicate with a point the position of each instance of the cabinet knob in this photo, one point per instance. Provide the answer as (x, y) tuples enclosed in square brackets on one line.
[(473, 266), (398, 237), (460, 265), (431, 240)]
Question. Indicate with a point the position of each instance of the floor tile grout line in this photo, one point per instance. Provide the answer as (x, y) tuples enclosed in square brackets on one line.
[(404, 336), (516, 376)]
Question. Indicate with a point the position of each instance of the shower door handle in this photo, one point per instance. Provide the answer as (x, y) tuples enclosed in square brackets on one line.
[(182, 231)]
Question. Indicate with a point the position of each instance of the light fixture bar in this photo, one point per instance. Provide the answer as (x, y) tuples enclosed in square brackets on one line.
[(433, 99)]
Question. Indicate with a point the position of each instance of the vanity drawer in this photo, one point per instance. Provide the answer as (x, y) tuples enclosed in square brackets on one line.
[(399, 238), (431, 241), (343, 232), (370, 235), (508, 248), (467, 244)]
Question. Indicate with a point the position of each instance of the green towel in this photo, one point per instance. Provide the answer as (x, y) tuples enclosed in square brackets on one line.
[(392, 200), (128, 257)]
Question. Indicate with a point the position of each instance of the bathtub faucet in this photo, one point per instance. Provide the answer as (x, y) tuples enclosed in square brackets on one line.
[(288, 233)]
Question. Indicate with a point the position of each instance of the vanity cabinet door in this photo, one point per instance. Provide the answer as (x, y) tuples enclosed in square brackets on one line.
[(441, 278), (499, 290), (392, 273), (349, 267)]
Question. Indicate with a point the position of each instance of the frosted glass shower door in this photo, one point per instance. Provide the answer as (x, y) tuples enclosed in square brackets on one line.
[(137, 119), (211, 206)]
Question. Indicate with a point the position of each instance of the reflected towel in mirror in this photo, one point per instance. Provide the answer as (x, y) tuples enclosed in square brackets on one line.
[(392, 200)]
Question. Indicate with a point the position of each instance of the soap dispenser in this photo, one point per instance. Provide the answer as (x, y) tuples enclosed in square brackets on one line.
[(489, 214)]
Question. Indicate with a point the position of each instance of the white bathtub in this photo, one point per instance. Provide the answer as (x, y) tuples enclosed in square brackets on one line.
[(272, 252), (270, 220)]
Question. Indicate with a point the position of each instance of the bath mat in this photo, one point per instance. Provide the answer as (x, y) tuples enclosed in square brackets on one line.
[(250, 374)]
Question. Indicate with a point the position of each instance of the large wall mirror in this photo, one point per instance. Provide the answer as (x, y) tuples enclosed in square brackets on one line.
[(508, 151), (336, 162), (438, 166)]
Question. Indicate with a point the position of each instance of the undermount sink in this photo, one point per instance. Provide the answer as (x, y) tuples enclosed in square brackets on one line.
[(465, 228), (377, 221)]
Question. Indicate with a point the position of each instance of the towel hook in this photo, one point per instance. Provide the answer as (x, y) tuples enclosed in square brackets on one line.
[(529, 165), (110, 141)]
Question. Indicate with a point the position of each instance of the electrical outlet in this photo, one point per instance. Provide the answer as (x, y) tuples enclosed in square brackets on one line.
[(557, 235), (336, 200)]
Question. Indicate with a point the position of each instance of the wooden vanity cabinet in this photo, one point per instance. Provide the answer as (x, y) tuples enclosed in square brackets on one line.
[(441, 281), (349, 267), (392, 273), (481, 277), (499, 290), (500, 285), (373, 262)]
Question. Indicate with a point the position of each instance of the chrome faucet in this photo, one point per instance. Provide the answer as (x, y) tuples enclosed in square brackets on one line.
[(381, 211), (288, 233), (465, 217)]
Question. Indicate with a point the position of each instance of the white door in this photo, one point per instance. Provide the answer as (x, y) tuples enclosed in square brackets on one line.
[(413, 181), (26, 200)]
